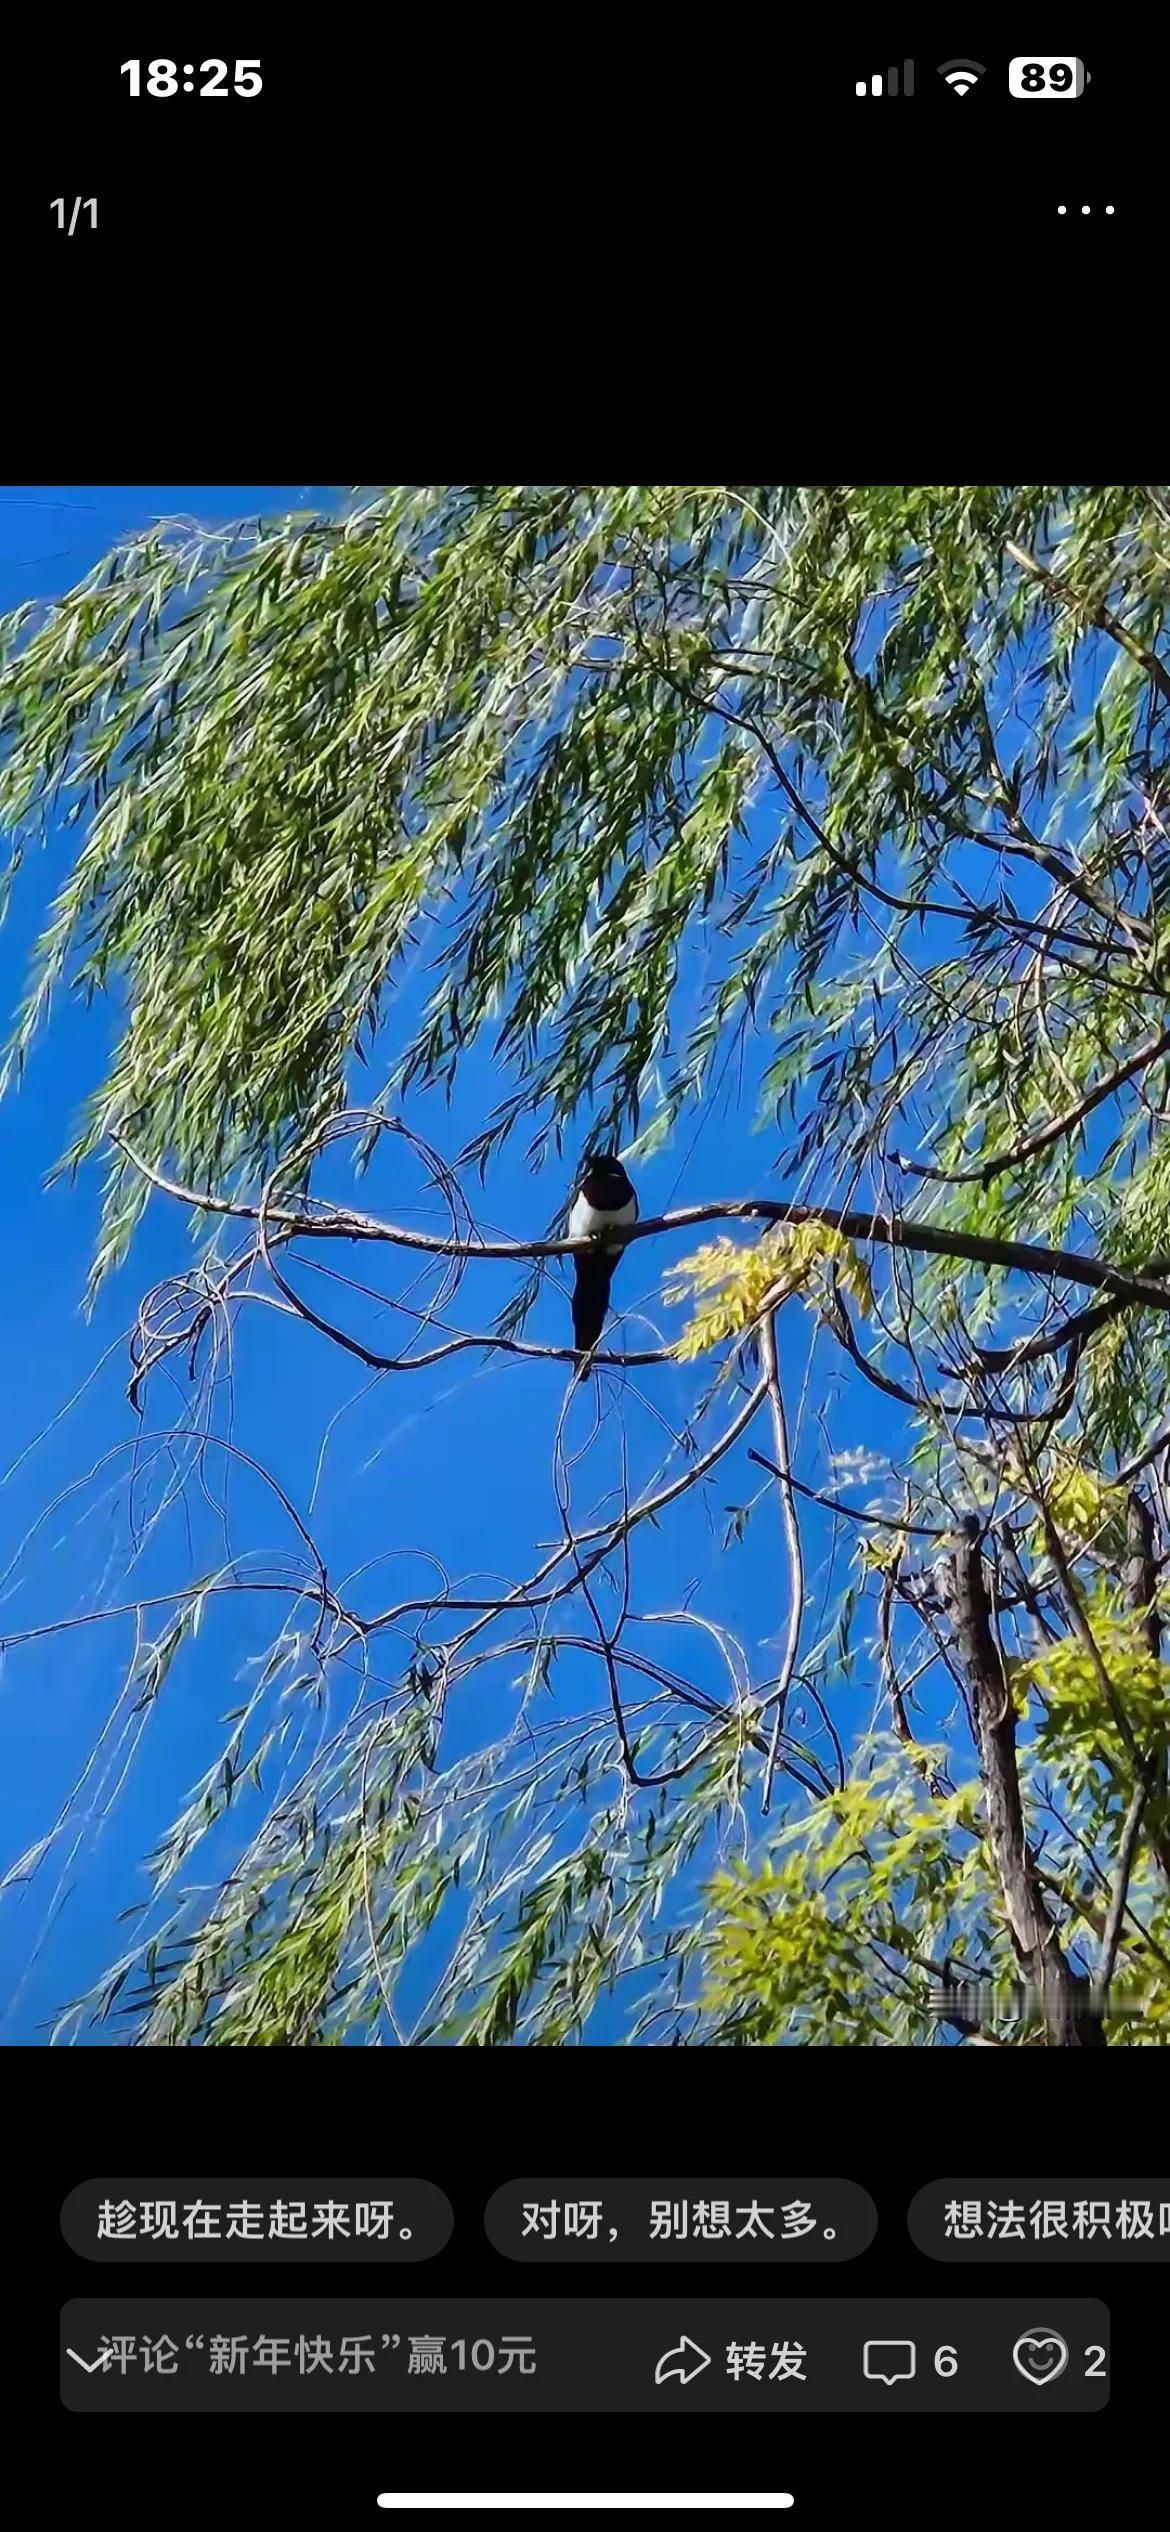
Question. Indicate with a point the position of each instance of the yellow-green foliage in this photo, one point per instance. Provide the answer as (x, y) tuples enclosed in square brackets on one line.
[(1074, 1700), (1082, 1505), (880, 1553), (732, 1285), (792, 1948), (1080, 1502)]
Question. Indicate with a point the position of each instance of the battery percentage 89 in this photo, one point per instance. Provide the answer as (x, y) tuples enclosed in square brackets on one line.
[(1047, 75)]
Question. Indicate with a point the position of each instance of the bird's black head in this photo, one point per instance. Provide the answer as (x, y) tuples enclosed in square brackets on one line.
[(602, 1165)]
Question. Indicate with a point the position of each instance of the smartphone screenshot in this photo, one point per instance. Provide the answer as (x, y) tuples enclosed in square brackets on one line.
[(585, 1176)]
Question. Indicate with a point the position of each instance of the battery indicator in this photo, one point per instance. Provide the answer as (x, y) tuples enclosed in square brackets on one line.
[(1047, 75)]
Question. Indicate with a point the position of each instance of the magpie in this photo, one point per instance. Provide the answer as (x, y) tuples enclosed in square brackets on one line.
[(604, 1199)]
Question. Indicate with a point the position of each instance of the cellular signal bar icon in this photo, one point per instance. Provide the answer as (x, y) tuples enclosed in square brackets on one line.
[(887, 83)]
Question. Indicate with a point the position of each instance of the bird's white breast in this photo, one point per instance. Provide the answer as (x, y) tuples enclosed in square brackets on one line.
[(585, 1218)]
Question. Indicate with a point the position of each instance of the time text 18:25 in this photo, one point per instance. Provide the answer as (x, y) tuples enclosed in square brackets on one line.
[(185, 79)]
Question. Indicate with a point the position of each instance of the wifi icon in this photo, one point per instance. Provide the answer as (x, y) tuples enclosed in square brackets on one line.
[(961, 77)]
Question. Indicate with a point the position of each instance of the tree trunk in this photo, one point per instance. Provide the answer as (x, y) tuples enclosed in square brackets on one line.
[(1141, 1588), (1061, 1996)]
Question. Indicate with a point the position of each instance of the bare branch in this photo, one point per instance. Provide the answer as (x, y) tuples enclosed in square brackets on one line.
[(887, 1230)]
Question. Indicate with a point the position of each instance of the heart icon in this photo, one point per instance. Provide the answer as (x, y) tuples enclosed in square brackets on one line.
[(1040, 2355)]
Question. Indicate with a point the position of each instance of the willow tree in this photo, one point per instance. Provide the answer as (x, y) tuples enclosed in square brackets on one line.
[(887, 766)]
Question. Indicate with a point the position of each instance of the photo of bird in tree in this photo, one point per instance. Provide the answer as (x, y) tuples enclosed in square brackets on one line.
[(587, 1161)]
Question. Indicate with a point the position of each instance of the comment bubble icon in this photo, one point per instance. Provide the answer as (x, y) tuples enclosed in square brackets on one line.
[(889, 2360)]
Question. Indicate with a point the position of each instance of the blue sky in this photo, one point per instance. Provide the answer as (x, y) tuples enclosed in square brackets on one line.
[(55, 1696), (389, 1472)]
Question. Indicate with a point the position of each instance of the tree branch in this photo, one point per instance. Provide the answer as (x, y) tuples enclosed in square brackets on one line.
[(1057, 1127), (1099, 616), (887, 1230)]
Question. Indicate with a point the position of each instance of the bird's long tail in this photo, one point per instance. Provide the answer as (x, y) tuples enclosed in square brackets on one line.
[(590, 1303)]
